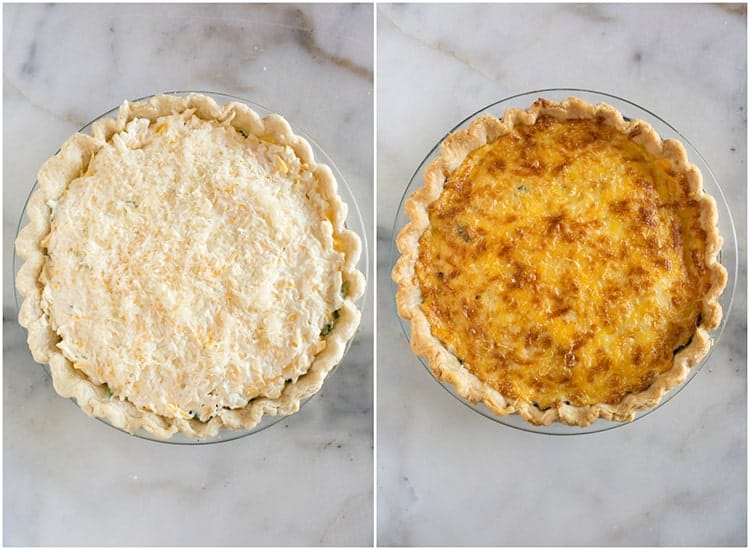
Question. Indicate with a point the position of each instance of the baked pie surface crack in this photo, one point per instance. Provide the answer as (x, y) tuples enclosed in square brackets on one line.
[(561, 264), (187, 268)]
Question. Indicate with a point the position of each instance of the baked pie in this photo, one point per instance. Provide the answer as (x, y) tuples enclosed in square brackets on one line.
[(188, 268), (560, 263)]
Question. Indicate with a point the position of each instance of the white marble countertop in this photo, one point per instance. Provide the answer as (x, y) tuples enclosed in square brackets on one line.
[(448, 476), (69, 480)]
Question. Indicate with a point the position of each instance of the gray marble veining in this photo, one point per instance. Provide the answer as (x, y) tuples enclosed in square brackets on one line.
[(70, 480), (447, 476)]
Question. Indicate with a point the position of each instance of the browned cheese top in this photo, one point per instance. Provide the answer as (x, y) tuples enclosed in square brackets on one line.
[(564, 263)]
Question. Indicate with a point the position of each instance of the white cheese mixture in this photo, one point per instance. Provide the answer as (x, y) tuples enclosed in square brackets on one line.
[(191, 268)]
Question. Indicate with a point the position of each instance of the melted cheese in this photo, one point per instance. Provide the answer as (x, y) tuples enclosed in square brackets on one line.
[(190, 268), (563, 263)]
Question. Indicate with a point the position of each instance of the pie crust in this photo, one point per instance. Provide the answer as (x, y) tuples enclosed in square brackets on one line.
[(187, 268), (561, 264)]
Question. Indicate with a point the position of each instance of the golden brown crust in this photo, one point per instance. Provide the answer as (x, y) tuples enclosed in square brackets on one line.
[(68, 164), (447, 367)]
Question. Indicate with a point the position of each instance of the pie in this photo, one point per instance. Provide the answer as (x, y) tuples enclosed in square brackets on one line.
[(188, 268), (560, 263)]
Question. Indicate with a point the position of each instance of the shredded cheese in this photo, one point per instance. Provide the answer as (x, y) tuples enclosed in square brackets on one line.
[(191, 268)]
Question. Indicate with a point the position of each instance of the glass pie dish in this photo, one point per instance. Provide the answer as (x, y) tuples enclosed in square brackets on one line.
[(353, 223), (630, 110)]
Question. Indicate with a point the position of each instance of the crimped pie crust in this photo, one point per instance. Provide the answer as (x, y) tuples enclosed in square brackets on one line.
[(455, 153), (269, 152)]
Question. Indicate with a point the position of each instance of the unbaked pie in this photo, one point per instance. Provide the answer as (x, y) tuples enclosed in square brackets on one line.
[(560, 263), (187, 268)]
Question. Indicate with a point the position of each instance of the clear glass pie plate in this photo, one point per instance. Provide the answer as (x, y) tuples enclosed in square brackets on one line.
[(728, 254), (354, 222)]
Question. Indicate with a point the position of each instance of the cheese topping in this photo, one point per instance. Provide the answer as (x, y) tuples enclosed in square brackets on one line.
[(564, 264), (191, 268)]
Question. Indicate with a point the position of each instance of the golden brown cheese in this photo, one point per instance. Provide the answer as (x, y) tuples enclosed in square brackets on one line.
[(563, 263)]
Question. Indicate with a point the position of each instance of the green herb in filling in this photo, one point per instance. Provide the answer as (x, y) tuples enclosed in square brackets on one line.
[(329, 326)]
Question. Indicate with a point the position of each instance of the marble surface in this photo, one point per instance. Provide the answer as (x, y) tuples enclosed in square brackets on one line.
[(69, 480), (448, 476)]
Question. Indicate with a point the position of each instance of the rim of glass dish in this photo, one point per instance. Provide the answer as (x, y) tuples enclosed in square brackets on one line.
[(354, 213), (729, 246)]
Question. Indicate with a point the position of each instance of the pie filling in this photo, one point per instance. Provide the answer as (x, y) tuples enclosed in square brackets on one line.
[(191, 268), (563, 263)]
